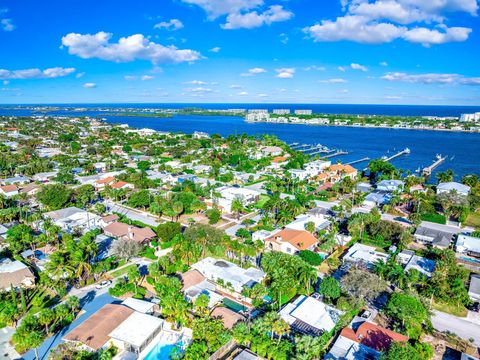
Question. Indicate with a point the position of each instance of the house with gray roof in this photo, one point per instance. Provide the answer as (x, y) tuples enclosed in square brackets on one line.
[(453, 186), (436, 235)]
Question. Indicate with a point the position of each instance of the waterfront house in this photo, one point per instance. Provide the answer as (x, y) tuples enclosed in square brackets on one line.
[(15, 274), (363, 254), (310, 316), (390, 185), (291, 241), (448, 187)]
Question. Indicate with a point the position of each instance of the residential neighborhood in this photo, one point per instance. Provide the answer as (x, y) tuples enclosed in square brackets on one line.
[(118, 243)]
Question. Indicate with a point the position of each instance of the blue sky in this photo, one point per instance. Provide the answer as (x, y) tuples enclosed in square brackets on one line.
[(294, 51)]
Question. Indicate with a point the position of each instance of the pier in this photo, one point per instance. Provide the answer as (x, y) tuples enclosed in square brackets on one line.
[(358, 161), (405, 151), (428, 170), (336, 154)]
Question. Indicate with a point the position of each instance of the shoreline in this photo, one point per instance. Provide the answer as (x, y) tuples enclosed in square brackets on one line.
[(366, 127)]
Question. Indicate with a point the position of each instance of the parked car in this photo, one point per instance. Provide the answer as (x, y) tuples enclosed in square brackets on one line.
[(103, 284)]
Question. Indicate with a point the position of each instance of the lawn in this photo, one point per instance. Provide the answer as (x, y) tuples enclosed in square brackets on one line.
[(122, 271), (473, 220), (460, 311), (262, 201)]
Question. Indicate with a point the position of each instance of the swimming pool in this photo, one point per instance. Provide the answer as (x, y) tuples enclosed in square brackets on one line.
[(232, 305), (166, 346)]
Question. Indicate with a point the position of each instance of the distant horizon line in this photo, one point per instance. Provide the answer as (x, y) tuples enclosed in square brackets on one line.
[(223, 103)]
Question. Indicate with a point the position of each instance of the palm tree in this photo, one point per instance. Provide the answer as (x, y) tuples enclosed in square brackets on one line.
[(280, 327), (237, 206), (34, 340), (45, 318)]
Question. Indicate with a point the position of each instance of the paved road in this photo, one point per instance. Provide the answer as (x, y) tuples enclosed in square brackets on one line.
[(460, 326), (6, 350), (91, 301), (131, 214)]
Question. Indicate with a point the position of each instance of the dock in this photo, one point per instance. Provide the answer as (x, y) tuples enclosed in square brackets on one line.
[(405, 151), (358, 161), (338, 153), (428, 170)]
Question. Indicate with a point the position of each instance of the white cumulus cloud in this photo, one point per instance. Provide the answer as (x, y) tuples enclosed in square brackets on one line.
[(216, 8), (254, 71), (356, 66), (285, 73), (253, 19), (89, 85), (215, 49), (130, 48), (432, 78), (36, 73), (171, 25), (383, 21), (334, 81)]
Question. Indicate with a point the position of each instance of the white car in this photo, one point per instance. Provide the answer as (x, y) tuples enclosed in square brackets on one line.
[(104, 284)]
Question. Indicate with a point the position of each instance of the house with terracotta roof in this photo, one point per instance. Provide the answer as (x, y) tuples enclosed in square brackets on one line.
[(108, 219), (9, 190), (229, 317), (129, 232), (363, 340), (119, 185), (291, 241), (101, 183)]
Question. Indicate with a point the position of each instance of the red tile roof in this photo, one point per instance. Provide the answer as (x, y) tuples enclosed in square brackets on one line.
[(373, 336)]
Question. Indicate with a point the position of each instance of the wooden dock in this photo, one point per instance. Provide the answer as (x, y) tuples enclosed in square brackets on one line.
[(405, 151), (338, 153), (428, 170), (358, 161)]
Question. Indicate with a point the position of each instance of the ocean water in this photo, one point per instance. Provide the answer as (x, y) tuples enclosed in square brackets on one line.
[(461, 149)]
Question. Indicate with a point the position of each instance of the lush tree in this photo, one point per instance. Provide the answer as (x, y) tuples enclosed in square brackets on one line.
[(54, 196), (330, 288), (126, 249), (167, 231), (362, 284), (408, 312), (406, 351), (311, 257)]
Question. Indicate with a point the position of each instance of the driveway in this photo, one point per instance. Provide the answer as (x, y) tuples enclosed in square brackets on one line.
[(91, 302), (6, 350), (459, 326), (130, 213)]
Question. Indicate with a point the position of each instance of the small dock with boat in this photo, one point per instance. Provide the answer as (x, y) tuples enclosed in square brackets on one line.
[(439, 159)]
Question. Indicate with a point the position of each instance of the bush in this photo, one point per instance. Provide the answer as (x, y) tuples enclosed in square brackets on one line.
[(435, 218), (310, 257)]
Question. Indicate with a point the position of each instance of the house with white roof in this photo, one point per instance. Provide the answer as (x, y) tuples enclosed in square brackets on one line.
[(453, 186), (310, 316), (468, 246), (299, 174), (229, 193), (474, 288), (72, 219), (317, 166), (229, 273), (415, 262), (301, 222), (363, 254)]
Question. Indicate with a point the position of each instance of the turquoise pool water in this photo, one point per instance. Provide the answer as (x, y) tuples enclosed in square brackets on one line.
[(232, 305), (163, 351)]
